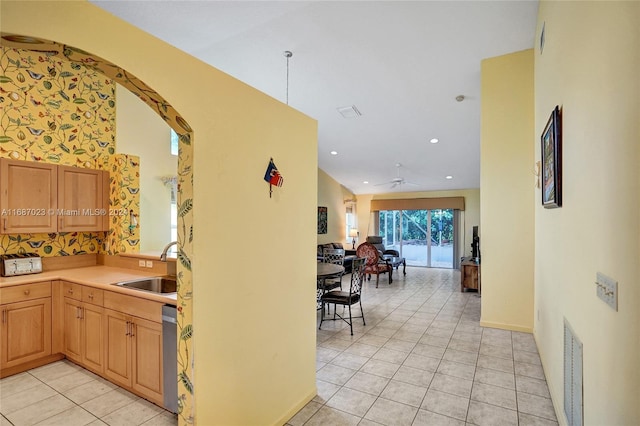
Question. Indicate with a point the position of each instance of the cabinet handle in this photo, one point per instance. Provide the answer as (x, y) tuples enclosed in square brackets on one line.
[(5, 223), (61, 224), (81, 313), (133, 327), (91, 296), (77, 312), (4, 316), (70, 291), (26, 292), (127, 333)]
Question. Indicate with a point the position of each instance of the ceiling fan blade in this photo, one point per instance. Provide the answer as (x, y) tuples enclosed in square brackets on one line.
[(412, 183), (384, 183)]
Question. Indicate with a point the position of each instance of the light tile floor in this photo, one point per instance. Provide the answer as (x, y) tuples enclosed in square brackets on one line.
[(63, 394), (423, 359)]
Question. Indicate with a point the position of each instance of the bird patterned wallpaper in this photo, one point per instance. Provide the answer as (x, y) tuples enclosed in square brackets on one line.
[(123, 170), (58, 111)]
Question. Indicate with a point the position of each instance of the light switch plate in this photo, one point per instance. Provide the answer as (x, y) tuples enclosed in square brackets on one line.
[(149, 263), (607, 290), (141, 263)]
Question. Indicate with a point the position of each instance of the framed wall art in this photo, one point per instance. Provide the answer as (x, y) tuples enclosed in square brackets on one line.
[(551, 151), (322, 220)]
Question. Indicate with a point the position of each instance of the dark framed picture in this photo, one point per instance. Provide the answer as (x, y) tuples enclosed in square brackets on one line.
[(552, 161), (322, 220)]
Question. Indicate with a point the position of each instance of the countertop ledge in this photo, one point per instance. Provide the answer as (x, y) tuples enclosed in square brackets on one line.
[(103, 277)]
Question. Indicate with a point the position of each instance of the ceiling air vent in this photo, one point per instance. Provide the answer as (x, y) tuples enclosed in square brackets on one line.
[(349, 111)]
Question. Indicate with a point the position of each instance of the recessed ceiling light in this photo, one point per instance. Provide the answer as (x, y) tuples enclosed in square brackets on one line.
[(334, 152), (434, 140), (448, 177), (365, 182), (349, 111)]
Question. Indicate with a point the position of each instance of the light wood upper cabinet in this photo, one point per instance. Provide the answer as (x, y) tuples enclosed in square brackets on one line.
[(28, 196), (45, 198), (81, 198)]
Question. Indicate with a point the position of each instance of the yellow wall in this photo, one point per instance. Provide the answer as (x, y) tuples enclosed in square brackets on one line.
[(507, 191), (331, 195), (590, 67), (247, 370), (140, 131), (469, 218)]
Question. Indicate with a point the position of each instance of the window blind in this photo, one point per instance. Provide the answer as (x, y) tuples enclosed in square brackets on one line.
[(456, 203)]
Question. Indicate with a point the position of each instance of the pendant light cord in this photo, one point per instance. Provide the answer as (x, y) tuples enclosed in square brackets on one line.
[(288, 55)]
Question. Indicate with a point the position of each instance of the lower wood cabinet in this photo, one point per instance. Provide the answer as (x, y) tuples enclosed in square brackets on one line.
[(115, 335), (83, 334), (134, 354), (26, 332), (26, 323)]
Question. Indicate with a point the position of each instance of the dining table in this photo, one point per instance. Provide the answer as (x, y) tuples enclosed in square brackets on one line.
[(325, 270)]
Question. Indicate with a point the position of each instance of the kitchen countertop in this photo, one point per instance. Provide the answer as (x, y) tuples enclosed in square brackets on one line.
[(150, 255), (103, 277)]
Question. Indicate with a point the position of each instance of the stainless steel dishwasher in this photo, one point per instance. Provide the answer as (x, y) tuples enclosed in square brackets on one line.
[(170, 357)]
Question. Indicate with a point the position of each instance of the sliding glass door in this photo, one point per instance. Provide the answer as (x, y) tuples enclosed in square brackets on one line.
[(423, 237)]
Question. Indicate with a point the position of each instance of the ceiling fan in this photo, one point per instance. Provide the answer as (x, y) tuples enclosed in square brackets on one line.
[(398, 180)]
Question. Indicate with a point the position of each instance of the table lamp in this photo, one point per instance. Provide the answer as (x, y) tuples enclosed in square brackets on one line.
[(353, 233)]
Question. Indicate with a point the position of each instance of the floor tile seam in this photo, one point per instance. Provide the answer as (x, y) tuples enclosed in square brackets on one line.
[(6, 419), (333, 408), (444, 415), (528, 363), (33, 385), (390, 400), (53, 396), (37, 402)]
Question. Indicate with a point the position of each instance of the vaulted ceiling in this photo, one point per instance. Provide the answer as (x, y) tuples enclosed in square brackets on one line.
[(402, 64)]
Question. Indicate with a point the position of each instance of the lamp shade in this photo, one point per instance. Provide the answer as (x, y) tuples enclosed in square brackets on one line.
[(353, 232)]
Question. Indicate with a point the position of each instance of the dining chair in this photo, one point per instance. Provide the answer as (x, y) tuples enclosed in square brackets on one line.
[(335, 256), (345, 298), (375, 264)]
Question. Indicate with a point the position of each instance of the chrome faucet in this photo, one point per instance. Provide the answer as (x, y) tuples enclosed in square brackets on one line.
[(163, 256)]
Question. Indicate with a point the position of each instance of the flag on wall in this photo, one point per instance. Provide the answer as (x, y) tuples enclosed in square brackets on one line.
[(272, 175)]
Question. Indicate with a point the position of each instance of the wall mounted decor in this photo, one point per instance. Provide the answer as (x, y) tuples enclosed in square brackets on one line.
[(322, 220), (273, 176), (552, 161)]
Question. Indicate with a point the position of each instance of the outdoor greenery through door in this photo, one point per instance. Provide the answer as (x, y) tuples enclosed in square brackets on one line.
[(423, 237)]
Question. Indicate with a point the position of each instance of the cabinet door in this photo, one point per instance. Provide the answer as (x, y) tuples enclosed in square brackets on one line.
[(28, 195), (72, 329), (117, 363), (80, 196), (26, 331), (92, 337), (147, 359)]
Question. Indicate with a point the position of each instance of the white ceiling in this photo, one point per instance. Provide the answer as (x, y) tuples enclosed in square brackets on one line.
[(400, 63)]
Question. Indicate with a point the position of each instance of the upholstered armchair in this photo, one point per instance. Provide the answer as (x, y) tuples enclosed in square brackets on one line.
[(375, 264), (377, 243)]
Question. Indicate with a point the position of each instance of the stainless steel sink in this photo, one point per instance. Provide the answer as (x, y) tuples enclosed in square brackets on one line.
[(154, 285)]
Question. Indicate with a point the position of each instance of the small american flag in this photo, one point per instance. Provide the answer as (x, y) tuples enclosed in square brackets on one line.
[(272, 175)]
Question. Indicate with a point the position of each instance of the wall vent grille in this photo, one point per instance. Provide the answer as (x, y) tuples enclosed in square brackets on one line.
[(573, 392)]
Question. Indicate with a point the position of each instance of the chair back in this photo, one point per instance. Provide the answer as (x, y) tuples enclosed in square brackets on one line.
[(335, 256), (357, 276), (370, 252), (376, 240)]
